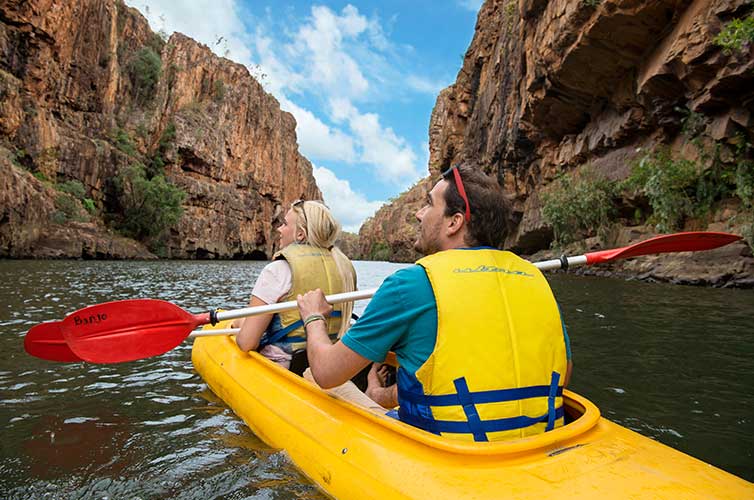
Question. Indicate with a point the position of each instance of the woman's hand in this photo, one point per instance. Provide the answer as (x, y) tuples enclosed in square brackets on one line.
[(313, 302)]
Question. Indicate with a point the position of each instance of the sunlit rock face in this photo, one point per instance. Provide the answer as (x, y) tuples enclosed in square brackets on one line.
[(71, 109), (549, 87)]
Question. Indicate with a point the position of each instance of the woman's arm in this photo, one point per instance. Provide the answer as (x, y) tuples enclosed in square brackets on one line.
[(273, 282), (252, 327)]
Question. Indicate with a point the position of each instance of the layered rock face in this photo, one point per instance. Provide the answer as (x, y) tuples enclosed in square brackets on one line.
[(73, 107), (552, 87), (349, 245)]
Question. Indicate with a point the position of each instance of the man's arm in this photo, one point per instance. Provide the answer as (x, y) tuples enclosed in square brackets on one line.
[(331, 364)]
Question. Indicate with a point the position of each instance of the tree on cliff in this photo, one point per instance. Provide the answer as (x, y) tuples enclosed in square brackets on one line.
[(147, 207)]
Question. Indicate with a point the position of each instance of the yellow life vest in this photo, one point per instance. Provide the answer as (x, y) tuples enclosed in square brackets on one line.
[(499, 361), (311, 267)]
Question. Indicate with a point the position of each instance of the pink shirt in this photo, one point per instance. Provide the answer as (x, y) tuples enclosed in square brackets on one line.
[(273, 282)]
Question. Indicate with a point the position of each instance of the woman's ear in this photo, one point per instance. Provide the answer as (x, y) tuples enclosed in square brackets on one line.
[(300, 237)]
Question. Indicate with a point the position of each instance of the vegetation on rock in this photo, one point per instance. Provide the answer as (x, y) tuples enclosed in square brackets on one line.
[(676, 190), (736, 35), (380, 251), (144, 70), (577, 207), (147, 207)]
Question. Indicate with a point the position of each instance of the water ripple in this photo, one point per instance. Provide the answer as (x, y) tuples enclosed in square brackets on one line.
[(660, 360)]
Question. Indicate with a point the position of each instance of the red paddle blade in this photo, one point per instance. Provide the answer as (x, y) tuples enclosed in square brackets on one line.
[(126, 330), (666, 243), (46, 341)]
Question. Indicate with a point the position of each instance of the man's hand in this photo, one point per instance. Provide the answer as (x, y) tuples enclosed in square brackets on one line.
[(387, 397), (313, 302)]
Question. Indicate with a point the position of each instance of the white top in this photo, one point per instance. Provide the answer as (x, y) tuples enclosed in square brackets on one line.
[(274, 282)]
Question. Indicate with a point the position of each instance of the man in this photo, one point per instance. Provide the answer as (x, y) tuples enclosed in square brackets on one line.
[(483, 354)]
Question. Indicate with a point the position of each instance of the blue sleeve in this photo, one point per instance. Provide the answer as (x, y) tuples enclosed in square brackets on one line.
[(399, 304), (565, 335)]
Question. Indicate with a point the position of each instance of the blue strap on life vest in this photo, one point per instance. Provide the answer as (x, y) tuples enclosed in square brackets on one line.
[(481, 397), (555, 378), (281, 336), (467, 400), (464, 397), (501, 424)]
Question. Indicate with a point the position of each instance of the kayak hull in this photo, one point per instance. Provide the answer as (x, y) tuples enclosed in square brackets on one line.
[(352, 453)]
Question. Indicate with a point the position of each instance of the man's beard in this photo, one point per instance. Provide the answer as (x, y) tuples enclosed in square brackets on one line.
[(427, 245)]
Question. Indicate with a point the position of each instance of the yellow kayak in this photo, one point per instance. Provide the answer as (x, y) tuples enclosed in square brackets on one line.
[(352, 453)]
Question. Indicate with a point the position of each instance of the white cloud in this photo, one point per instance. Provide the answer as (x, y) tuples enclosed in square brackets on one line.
[(349, 207), (473, 5), (270, 71), (384, 149), (379, 146), (316, 139), (425, 85), (339, 59), (319, 45), (220, 28)]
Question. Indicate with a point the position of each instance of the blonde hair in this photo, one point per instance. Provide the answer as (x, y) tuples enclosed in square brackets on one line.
[(321, 229)]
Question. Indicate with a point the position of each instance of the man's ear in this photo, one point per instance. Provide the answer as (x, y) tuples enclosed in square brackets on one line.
[(455, 224)]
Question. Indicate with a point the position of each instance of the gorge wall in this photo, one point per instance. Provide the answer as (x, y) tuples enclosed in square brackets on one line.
[(589, 87), (74, 107)]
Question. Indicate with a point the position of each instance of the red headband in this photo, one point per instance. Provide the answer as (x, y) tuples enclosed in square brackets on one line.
[(462, 192)]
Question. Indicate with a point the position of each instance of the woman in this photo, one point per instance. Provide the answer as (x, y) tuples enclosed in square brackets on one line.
[(307, 260)]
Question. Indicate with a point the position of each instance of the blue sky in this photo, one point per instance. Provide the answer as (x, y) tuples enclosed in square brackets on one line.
[(360, 77)]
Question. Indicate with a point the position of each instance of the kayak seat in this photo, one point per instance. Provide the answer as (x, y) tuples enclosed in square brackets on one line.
[(571, 414)]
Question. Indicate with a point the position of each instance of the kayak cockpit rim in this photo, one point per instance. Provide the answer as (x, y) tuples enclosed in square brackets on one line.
[(586, 414)]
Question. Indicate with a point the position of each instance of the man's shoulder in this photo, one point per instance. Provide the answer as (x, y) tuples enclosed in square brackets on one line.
[(413, 275), (409, 286)]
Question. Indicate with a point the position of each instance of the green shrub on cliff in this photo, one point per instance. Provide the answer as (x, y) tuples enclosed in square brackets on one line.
[(579, 206), (678, 188), (144, 70), (147, 206), (380, 251), (68, 208), (745, 189), (70, 201), (157, 161), (74, 188), (669, 185), (219, 91), (736, 35), (123, 142)]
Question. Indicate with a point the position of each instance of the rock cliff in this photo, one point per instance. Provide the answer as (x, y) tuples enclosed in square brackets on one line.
[(88, 90), (563, 86)]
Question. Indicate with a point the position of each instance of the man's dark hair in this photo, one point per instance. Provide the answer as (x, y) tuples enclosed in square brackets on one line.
[(490, 210)]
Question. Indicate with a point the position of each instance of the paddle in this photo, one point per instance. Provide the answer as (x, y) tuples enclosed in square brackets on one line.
[(128, 330), (46, 341)]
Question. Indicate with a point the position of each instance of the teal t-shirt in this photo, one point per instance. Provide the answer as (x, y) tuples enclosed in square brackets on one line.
[(402, 317)]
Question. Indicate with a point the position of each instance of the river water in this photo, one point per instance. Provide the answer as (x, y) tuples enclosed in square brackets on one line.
[(671, 362)]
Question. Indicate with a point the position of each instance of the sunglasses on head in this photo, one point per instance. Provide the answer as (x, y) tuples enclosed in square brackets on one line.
[(461, 190), (300, 203)]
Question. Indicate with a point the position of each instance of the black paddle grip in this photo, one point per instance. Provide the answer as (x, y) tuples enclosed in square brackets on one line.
[(564, 262)]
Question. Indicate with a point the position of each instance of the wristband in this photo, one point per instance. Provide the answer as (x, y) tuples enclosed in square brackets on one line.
[(312, 318)]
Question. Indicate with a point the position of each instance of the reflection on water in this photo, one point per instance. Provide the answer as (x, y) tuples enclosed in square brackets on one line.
[(670, 362), (673, 363)]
